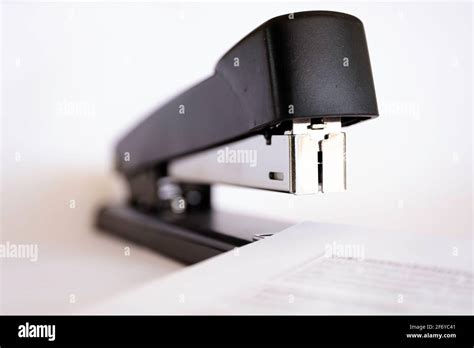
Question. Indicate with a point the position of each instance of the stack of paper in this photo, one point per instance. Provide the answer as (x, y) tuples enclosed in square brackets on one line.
[(315, 268)]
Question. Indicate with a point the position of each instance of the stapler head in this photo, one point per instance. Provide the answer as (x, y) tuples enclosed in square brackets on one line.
[(270, 117)]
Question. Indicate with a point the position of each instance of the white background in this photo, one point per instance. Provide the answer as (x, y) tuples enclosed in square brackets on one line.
[(76, 76)]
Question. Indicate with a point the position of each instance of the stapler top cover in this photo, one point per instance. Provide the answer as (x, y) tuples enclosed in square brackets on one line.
[(307, 65)]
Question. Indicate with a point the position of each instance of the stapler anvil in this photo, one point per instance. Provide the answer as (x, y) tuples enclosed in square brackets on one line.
[(270, 117)]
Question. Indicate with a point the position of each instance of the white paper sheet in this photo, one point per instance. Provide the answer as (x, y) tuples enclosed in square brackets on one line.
[(313, 268)]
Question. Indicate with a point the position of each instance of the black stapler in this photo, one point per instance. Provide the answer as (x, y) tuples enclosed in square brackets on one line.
[(270, 118)]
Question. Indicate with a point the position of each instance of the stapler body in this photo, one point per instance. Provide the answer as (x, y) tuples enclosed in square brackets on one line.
[(270, 117)]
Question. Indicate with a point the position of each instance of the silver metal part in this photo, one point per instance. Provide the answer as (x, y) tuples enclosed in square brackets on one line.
[(261, 236), (303, 164), (248, 162), (333, 149), (288, 163)]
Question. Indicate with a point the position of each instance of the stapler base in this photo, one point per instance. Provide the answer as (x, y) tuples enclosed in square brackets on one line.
[(189, 237)]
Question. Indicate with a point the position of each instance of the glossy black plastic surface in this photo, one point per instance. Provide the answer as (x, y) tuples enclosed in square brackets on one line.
[(189, 238), (309, 65)]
